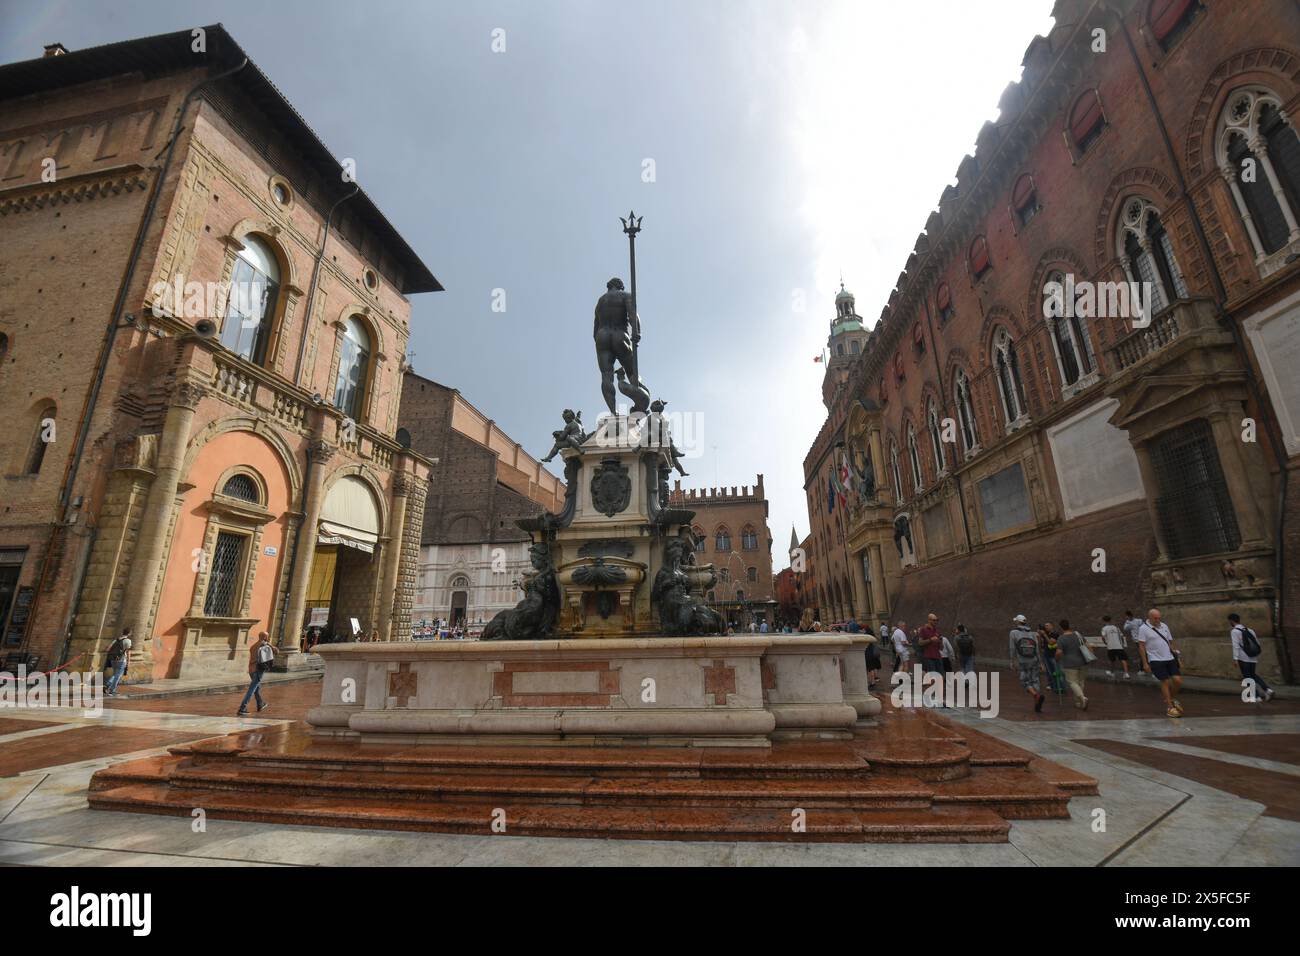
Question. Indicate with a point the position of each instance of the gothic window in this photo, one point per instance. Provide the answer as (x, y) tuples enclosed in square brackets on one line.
[(700, 538), (965, 411), (897, 472), (1086, 121), (978, 258), (943, 301), (936, 438), (1074, 355), (354, 364), (1006, 369), (1259, 156), (1024, 199), (254, 289), (1148, 254), (722, 541), (914, 457), (749, 540)]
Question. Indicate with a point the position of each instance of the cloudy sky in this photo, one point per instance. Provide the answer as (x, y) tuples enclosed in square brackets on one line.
[(769, 146)]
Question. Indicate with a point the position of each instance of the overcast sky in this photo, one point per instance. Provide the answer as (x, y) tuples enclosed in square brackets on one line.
[(790, 141)]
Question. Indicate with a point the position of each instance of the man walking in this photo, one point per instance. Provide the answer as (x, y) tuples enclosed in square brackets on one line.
[(260, 658), (115, 661), (931, 645), (1160, 660), (1245, 651), (1132, 624), (966, 649), (1027, 660), (1116, 647), (902, 652)]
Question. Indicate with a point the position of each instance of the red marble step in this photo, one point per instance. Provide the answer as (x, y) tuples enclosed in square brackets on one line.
[(144, 770), (929, 759), (955, 825), (1012, 793), (557, 788), (1071, 781)]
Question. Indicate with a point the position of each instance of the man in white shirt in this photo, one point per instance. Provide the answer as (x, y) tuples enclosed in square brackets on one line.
[(1116, 647), (1245, 661), (902, 650), (1160, 660)]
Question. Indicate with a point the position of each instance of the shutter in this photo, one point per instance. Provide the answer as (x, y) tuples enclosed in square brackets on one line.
[(944, 298), (1023, 192), (1085, 116), (979, 256), (1165, 15)]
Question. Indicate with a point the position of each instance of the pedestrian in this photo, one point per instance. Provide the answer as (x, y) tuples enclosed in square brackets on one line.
[(260, 658), (115, 661), (762, 628), (1073, 662), (854, 627), (901, 647), (1116, 647), (966, 649), (873, 660), (930, 645), (374, 635), (1245, 651), (949, 655), (1160, 660), (1047, 642), (1132, 624), (1027, 660)]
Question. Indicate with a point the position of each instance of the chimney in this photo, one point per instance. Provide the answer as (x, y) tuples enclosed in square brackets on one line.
[(55, 49)]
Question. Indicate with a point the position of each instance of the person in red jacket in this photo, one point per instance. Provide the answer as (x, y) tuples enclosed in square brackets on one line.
[(931, 644)]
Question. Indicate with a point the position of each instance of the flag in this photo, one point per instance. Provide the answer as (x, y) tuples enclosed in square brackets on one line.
[(817, 358)]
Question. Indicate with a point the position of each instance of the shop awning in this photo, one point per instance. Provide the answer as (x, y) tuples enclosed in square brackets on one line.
[(350, 516)]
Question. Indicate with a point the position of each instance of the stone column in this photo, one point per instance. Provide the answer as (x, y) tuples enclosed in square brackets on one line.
[(319, 452), (861, 598), (1152, 488), (392, 556), (151, 542), (879, 589), (1251, 520)]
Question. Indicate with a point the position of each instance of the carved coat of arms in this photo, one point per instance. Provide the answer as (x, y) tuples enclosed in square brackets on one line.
[(611, 487)]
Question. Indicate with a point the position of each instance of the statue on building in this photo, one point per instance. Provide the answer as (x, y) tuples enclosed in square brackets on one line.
[(570, 436), (534, 617), (864, 473), (617, 331), (679, 611)]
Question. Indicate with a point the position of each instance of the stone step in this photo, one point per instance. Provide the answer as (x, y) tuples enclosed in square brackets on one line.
[(1012, 793), (1071, 781), (943, 825), (530, 789)]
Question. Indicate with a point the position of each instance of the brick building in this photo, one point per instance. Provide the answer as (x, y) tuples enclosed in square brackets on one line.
[(731, 533), (201, 332), (1022, 436), (471, 552)]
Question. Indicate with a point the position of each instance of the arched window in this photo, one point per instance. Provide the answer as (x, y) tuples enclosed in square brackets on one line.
[(936, 438), (978, 257), (965, 411), (1006, 368), (914, 457), (1148, 254), (1024, 199), (254, 290), (1259, 156), (1074, 355), (749, 540), (855, 347), (243, 487), (839, 349), (897, 472), (722, 541), (1086, 121), (700, 537), (899, 372), (45, 434), (1170, 18), (943, 302), (354, 363)]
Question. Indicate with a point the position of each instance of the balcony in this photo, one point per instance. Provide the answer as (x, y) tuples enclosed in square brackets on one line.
[(1181, 322)]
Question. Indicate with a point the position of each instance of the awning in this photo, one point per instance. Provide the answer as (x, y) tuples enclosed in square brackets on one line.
[(350, 516), (348, 537)]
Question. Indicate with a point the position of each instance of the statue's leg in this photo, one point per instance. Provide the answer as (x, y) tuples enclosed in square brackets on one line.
[(605, 359)]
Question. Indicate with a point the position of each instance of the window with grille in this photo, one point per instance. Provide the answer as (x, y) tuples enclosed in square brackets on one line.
[(242, 487), (224, 577), (1193, 506)]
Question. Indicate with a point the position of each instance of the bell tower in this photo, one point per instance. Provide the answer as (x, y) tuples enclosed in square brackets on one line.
[(848, 337)]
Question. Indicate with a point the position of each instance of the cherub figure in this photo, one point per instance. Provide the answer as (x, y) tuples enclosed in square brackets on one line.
[(570, 436), (660, 429)]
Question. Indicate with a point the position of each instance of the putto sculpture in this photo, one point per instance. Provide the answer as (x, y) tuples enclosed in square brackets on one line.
[(570, 436), (679, 611), (533, 618)]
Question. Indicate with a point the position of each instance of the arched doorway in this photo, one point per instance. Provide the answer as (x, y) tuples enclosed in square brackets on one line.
[(345, 569), (459, 600)]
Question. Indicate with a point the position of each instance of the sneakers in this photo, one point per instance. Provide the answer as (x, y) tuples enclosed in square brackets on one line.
[(1084, 704), (1178, 707), (1038, 704), (1110, 673), (1128, 676), (262, 707), (241, 713), (1268, 694), (1171, 712)]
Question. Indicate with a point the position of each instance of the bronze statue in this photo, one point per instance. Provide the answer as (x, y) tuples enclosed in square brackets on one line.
[(533, 618), (679, 611), (570, 436), (617, 330), (660, 431)]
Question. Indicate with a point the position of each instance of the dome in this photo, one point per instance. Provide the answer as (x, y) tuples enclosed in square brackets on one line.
[(844, 294)]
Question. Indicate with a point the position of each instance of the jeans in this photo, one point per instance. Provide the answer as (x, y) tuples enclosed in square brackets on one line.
[(119, 669), (254, 690), (1248, 673), (932, 665), (968, 664)]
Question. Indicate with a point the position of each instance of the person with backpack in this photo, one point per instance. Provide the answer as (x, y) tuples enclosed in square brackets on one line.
[(1245, 651), (261, 657), (966, 649), (115, 662), (1116, 647), (1073, 661), (1027, 660)]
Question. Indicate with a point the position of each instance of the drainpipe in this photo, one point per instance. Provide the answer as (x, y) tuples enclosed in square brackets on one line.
[(1252, 382), (119, 303)]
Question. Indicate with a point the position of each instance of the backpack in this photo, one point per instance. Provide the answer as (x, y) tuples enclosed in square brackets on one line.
[(114, 652), (1027, 646), (265, 657), (965, 644), (1249, 642)]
